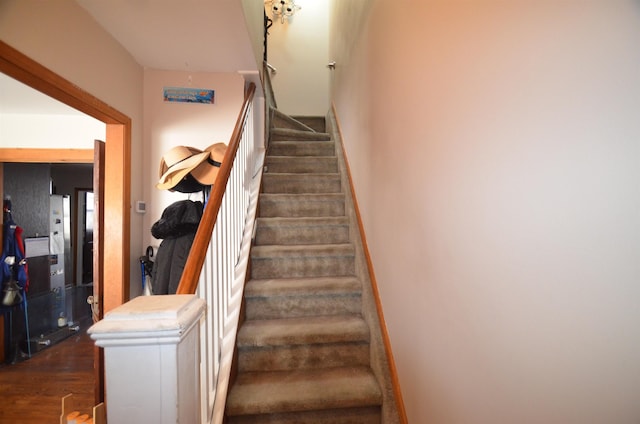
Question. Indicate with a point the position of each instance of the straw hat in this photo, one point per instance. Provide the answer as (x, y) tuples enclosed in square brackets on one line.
[(207, 171), (177, 163), (188, 163)]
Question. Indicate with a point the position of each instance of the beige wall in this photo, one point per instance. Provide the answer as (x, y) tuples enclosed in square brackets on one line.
[(168, 124), (299, 49), (60, 35), (494, 147)]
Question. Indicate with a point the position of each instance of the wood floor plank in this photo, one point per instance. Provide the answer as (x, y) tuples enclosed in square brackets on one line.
[(31, 390)]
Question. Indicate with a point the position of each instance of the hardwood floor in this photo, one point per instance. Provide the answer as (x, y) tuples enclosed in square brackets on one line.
[(31, 390)]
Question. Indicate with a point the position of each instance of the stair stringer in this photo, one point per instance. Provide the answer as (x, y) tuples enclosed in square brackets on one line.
[(282, 120), (392, 408)]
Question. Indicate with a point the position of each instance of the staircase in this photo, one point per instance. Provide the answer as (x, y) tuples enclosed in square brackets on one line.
[(304, 348)]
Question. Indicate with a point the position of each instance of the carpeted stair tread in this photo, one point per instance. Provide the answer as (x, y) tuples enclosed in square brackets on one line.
[(280, 134), (302, 286), (303, 343), (290, 261), (301, 164), (301, 183), (365, 415), (302, 297), (301, 148), (306, 390), (304, 330), (301, 205), (306, 250), (304, 230)]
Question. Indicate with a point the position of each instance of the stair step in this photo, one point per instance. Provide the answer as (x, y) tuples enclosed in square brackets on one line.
[(303, 392), (366, 415), (303, 330), (297, 297), (306, 230), (317, 123), (301, 205), (303, 343), (301, 164), (301, 183), (282, 134), (301, 148), (278, 261), (325, 260)]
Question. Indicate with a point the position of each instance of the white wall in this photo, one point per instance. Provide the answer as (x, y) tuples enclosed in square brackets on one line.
[(494, 147), (44, 131), (170, 124), (60, 35), (298, 48)]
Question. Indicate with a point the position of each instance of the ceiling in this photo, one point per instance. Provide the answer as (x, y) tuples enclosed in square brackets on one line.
[(178, 34), (181, 35)]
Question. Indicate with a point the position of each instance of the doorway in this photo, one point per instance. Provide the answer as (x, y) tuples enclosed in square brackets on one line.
[(118, 161), (117, 157), (116, 175)]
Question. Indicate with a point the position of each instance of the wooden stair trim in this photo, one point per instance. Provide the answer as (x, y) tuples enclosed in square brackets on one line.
[(374, 285), (36, 155)]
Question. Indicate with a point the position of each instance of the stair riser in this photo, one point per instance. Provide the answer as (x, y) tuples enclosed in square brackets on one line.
[(314, 356), (302, 148), (370, 415), (296, 267), (280, 121), (301, 164), (300, 184), (275, 307), (301, 207), (317, 123), (287, 135), (302, 235)]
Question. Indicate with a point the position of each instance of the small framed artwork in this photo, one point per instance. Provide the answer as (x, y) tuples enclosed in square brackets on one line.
[(189, 95)]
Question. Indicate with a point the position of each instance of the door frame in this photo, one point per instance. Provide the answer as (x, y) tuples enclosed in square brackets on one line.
[(117, 182)]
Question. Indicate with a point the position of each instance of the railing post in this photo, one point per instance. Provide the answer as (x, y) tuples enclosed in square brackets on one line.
[(152, 359)]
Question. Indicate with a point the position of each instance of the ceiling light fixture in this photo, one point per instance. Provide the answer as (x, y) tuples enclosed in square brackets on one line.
[(283, 8)]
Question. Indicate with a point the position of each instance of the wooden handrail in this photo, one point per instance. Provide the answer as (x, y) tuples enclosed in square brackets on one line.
[(193, 266)]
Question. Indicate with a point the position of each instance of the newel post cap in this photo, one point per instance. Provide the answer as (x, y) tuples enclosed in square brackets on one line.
[(162, 319)]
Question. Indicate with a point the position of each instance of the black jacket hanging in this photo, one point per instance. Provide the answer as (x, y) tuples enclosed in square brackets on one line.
[(177, 228)]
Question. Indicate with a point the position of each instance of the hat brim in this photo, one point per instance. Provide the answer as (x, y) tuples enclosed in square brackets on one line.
[(177, 172), (207, 171)]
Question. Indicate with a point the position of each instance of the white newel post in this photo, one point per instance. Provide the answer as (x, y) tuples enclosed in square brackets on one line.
[(152, 359)]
